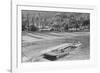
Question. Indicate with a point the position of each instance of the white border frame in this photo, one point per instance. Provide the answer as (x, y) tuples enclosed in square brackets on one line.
[(17, 66)]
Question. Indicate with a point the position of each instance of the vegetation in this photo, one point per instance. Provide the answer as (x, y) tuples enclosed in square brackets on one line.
[(56, 21)]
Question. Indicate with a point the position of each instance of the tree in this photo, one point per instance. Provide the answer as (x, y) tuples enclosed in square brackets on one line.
[(66, 27), (24, 22)]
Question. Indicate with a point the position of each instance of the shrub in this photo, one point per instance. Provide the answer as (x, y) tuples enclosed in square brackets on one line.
[(33, 28)]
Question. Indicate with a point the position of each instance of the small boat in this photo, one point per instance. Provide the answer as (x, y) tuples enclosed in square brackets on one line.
[(60, 51), (54, 53)]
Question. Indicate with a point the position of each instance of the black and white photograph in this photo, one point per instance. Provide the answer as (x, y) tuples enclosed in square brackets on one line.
[(50, 36), (54, 36)]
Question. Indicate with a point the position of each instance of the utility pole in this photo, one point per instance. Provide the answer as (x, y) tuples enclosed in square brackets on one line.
[(39, 21), (27, 22)]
